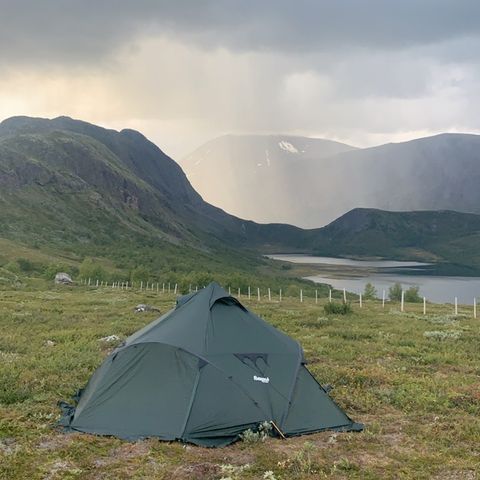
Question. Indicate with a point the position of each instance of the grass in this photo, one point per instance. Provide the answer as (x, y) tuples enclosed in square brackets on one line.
[(417, 393)]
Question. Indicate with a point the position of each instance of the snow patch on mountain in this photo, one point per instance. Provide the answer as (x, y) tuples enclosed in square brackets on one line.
[(287, 146)]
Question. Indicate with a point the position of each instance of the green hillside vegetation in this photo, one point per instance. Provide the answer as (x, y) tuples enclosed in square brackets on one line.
[(449, 239), (412, 379), (73, 190)]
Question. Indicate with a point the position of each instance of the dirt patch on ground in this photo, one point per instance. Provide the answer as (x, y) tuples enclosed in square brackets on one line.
[(199, 471)]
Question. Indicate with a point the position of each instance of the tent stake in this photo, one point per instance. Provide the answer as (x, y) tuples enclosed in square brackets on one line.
[(274, 425)]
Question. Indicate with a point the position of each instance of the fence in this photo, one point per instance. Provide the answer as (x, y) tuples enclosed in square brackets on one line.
[(269, 294)]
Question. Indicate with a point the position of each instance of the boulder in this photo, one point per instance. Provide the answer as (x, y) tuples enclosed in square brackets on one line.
[(63, 278), (142, 307)]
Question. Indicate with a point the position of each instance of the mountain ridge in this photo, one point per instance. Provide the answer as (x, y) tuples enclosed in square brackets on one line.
[(64, 181), (440, 171)]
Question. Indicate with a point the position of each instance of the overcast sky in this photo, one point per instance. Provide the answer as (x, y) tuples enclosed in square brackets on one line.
[(361, 71)]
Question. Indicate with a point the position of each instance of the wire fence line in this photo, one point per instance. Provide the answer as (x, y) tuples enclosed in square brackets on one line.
[(278, 295)]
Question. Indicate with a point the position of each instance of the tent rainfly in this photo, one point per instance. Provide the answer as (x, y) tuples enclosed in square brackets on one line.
[(203, 373)]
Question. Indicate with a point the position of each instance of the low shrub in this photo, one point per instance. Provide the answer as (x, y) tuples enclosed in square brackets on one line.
[(337, 308)]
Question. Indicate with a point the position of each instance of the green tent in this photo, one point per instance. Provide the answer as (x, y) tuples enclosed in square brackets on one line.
[(203, 373)]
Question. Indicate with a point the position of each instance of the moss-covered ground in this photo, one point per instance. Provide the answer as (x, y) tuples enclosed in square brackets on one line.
[(413, 380)]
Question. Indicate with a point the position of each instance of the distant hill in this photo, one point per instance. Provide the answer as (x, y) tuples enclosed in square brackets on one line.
[(311, 186), (450, 239), (256, 176)]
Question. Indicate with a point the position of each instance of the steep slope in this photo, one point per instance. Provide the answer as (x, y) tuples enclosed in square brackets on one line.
[(440, 172), (254, 176), (444, 237), (64, 180)]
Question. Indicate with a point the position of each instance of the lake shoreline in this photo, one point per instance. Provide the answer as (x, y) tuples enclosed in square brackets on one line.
[(435, 284)]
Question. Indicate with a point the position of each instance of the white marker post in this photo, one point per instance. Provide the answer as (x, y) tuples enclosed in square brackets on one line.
[(175, 291), (330, 295), (456, 306), (141, 285), (383, 299), (239, 293), (229, 290), (249, 293), (402, 303), (280, 295), (360, 299), (316, 296), (301, 295), (269, 295), (424, 306), (474, 307), (258, 294), (344, 296)]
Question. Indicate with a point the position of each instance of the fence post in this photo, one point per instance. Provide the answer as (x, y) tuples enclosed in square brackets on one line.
[(344, 296), (280, 295), (402, 303), (175, 291), (249, 295), (301, 295), (269, 295), (258, 293), (330, 295), (424, 306), (239, 292), (316, 296), (360, 298), (456, 306), (141, 285), (229, 290), (474, 307)]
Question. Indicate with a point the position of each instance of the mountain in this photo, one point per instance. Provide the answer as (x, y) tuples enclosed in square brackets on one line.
[(449, 239), (255, 176), (66, 181), (433, 173), (70, 185)]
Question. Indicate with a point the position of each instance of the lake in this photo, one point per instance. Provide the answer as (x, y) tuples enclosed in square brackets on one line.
[(382, 274)]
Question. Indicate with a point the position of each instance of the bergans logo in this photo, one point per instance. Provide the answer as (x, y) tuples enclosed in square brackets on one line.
[(261, 379)]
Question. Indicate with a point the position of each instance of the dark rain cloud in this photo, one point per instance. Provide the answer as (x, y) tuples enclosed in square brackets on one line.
[(87, 30)]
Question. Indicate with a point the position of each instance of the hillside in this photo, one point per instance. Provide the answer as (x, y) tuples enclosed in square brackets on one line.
[(442, 237), (312, 189), (78, 190), (64, 180), (75, 187), (253, 176)]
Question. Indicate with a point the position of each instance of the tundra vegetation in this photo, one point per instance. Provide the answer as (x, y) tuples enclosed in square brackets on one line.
[(411, 379)]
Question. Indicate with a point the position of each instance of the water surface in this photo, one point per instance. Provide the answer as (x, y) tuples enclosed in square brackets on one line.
[(382, 274)]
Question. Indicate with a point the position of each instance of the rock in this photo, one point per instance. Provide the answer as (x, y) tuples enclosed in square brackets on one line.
[(142, 307), (110, 338), (63, 278), (49, 343)]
